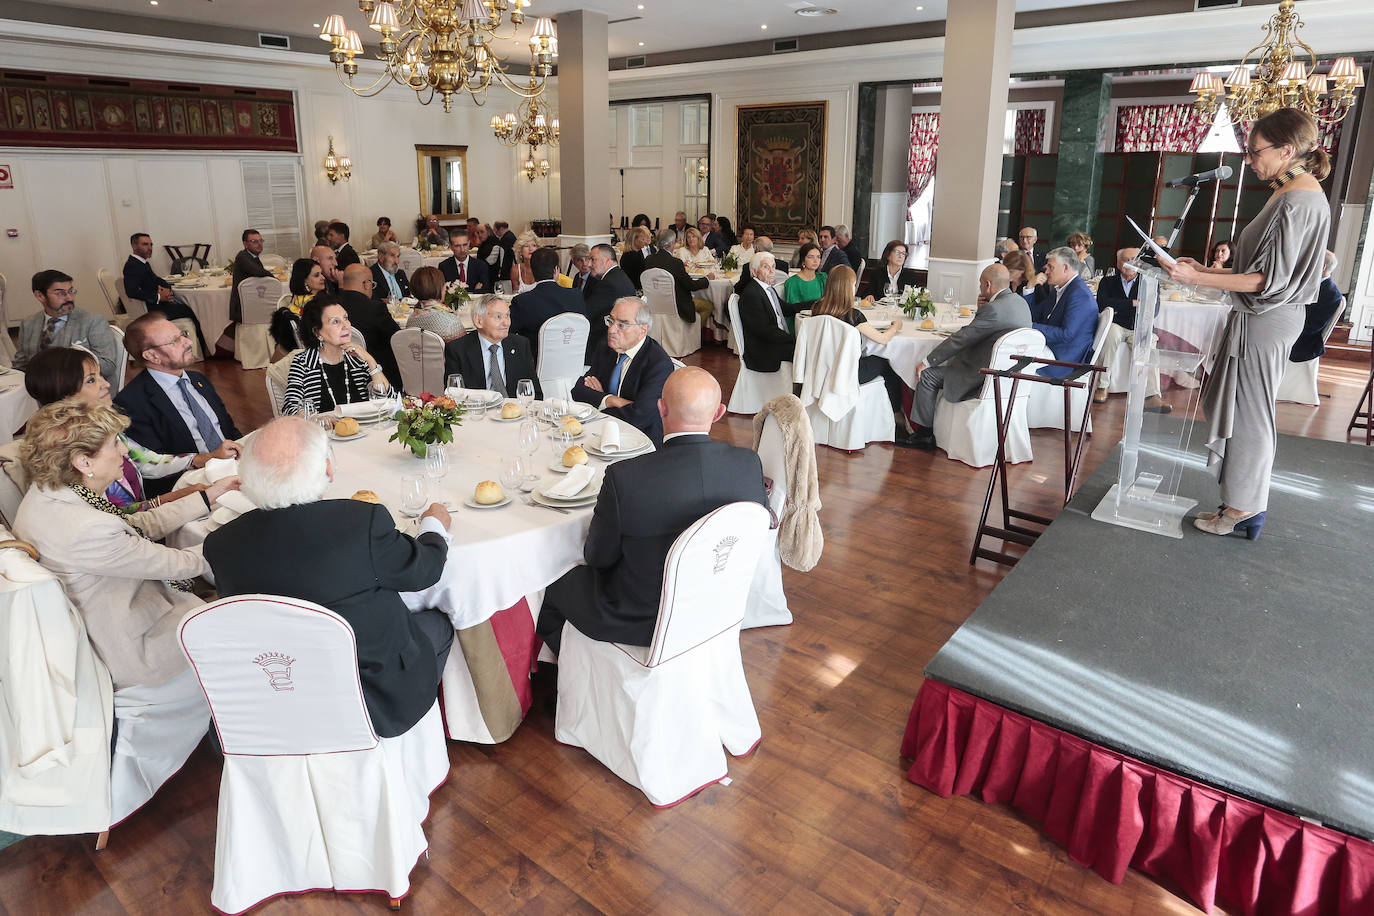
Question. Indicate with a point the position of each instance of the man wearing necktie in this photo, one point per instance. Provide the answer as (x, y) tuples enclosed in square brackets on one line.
[(768, 344), (388, 280), (628, 371), (471, 272), (62, 324), (491, 357)]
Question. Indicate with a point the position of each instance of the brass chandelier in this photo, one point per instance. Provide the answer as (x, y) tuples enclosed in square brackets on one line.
[(532, 168), (441, 47), (1280, 79), (529, 123)]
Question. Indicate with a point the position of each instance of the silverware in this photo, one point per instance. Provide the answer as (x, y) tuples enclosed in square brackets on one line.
[(529, 501)]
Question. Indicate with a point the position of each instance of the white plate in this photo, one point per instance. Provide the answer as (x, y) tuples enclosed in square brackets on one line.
[(560, 504), (556, 466), (590, 491), (500, 419), (468, 501), (337, 438), (880, 325), (632, 442)]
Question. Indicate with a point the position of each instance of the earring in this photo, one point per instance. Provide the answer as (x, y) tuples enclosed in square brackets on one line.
[(90, 473)]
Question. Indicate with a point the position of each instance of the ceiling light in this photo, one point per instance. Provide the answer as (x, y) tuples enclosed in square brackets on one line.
[(919, 8), (153, 2), (764, 26), (315, 26), (812, 12), (640, 7), (641, 44)]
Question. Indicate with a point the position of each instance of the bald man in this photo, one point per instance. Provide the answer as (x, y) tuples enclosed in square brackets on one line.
[(370, 317), (645, 503), (324, 256)]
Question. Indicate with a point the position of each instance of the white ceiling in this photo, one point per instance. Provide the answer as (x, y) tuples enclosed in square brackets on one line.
[(662, 25)]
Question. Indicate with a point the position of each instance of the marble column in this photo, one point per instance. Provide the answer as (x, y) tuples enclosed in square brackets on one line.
[(1078, 174), (584, 120), (891, 152), (968, 171)]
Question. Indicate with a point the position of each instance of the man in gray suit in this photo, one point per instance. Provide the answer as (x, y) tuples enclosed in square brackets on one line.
[(954, 365), (62, 324)]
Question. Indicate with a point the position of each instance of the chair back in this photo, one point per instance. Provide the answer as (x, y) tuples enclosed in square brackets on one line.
[(1104, 323), (706, 579), (411, 260), (737, 326), (420, 357), (133, 307), (280, 674), (816, 361), (563, 346), (661, 295), (121, 358), (1326, 331), (772, 455), (273, 261), (1020, 342), (276, 378), (107, 286), (259, 297), (6, 345), (14, 482)]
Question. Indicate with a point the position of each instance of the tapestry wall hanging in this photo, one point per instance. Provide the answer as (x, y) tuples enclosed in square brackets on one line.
[(59, 110), (781, 168)]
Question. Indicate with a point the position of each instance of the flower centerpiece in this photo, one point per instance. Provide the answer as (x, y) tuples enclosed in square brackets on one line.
[(918, 302), (729, 262), (456, 294), (423, 421), (421, 243)]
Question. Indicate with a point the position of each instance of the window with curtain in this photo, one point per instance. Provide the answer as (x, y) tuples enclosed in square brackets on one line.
[(1175, 128), (1029, 136), (925, 142)]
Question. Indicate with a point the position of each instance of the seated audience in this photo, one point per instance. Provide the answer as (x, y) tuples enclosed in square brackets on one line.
[(710, 238), (638, 246), (321, 230), (430, 313), (832, 255), (1082, 245), (580, 265), (679, 228), (1020, 270), (608, 285), (369, 316), (1220, 257), (1330, 303), (343, 554), (804, 288), (462, 266), (804, 237), (841, 285), (433, 233), (954, 366), (693, 251), (727, 235), (744, 250), (143, 284), (492, 357), (388, 280), (172, 410), (768, 343), (384, 233), (761, 243), (131, 591), (628, 370), (999, 251), (61, 372), (62, 324), (247, 263), (894, 275), (329, 263), (334, 368), (845, 240), (1120, 292), (1026, 239), (1064, 310), (615, 596), (521, 276), (688, 306), (337, 238), (529, 310)]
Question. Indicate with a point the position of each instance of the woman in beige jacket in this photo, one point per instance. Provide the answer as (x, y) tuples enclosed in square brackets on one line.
[(130, 590)]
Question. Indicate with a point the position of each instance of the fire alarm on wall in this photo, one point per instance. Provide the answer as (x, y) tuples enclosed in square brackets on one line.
[(12, 233)]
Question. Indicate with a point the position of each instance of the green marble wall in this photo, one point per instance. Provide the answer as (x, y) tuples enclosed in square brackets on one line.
[(1078, 175), (863, 165)]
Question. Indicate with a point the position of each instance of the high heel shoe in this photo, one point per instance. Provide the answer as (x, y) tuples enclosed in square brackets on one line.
[(1248, 525), (1211, 516)]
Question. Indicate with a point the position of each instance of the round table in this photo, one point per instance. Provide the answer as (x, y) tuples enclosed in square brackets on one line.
[(208, 297)]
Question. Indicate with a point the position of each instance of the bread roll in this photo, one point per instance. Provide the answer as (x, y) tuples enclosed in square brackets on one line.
[(488, 493), (347, 427), (927, 325), (365, 496), (572, 425), (510, 410), (574, 456)]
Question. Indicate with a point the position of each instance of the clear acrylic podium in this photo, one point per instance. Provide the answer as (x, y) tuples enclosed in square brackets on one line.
[(1153, 453)]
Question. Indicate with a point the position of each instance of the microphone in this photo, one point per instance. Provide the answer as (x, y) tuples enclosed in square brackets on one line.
[(1192, 181)]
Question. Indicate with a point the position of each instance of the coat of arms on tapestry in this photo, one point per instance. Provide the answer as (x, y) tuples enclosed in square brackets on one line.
[(781, 167)]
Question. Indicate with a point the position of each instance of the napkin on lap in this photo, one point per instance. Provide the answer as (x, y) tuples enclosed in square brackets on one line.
[(574, 482), (610, 438), (219, 468), (235, 502)]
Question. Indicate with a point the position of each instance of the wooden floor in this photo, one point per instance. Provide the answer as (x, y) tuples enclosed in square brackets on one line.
[(819, 819)]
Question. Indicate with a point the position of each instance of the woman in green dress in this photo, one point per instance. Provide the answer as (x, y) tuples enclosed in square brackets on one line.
[(808, 284)]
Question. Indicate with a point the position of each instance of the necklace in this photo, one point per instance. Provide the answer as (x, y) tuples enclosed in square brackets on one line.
[(1288, 176), (347, 389)]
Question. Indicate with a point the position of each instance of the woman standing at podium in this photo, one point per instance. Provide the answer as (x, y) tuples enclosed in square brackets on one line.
[(1276, 269)]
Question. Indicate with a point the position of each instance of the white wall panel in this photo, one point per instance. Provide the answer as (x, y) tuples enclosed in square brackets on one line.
[(69, 200)]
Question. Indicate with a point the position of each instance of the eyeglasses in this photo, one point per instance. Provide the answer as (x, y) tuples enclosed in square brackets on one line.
[(619, 323), (59, 291), (178, 339), (1251, 152)]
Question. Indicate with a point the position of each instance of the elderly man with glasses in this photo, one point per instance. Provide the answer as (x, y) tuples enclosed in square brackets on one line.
[(388, 280), (62, 324), (1026, 240), (628, 371)]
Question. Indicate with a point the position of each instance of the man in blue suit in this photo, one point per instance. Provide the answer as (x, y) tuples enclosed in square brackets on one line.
[(1064, 310)]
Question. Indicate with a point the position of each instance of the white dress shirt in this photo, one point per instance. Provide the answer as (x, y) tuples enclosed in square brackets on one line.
[(486, 358)]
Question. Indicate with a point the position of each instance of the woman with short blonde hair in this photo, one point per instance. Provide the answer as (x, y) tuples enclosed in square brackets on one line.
[(521, 274)]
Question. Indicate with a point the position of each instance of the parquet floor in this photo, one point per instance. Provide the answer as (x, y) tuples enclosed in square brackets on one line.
[(818, 820)]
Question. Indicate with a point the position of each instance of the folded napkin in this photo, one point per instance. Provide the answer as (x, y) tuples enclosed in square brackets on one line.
[(610, 438), (574, 482), (363, 408), (235, 501), (479, 395), (217, 468)]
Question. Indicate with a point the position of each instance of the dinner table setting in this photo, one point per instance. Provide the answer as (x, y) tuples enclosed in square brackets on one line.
[(206, 292), (917, 337)]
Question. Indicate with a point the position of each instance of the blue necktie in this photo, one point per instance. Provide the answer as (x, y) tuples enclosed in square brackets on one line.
[(615, 374), (204, 424)]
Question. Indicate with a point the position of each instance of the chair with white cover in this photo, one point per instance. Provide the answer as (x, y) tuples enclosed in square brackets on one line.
[(844, 414), (967, 430), (121, 359), (420, 356), (132, 306), (275, 378), (310, 798), (1299, 382), (753, 389), (111, 292), (6, 345), (657, 716), (1045, 407), (562, 349), (767, 604), (678, 337), (411, 260), (259, 298), (273, 261)]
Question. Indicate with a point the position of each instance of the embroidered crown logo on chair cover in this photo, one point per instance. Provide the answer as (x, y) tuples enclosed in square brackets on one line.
[(277, 667), (722, 551)]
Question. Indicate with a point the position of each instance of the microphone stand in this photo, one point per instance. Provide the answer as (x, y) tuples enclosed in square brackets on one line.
[(1148, 257)]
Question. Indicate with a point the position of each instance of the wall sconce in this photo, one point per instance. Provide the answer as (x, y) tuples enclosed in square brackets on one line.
[(336, 167)]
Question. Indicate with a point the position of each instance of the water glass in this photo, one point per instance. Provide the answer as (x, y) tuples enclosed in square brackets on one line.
[(560, 440), (455, 381), (524, 390), (436, 461), (414, 495), (475, 407), (513, 474)]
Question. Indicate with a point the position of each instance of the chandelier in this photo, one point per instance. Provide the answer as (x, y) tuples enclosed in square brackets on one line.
[(1280, 79), (529, 123), (533, 169), (441, 47)]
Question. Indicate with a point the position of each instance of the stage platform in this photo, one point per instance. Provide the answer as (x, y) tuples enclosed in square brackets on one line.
[(1248, 666)]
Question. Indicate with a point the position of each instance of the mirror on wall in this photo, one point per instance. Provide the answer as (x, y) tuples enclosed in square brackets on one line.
[(443, 172)]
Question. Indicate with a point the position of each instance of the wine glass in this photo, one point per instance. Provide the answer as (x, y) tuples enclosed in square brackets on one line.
[(414, 495), (524, 391), (436, 461), (949, 295), (380, 402), (560, 440), (529, 442), (513, 474), (455, 382)]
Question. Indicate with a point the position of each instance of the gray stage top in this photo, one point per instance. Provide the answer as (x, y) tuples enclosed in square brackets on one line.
[(1248, 666)]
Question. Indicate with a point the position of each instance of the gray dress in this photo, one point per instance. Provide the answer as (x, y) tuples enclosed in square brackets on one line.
[(1286, 242)]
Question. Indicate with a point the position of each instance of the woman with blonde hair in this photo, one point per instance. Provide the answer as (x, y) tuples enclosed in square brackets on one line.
[(693, 251), (804, 237), (521, 275), (837, 301), (638, 246)]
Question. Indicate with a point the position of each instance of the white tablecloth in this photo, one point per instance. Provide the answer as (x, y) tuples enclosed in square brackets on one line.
[(1197, 323), (15, 404), (209, 299)]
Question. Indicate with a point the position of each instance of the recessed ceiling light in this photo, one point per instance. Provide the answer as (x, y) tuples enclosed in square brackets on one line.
[(641, 44), (764, 26), (919, 8), (316, 26), (153, 2), (640, 7), (814, 11)]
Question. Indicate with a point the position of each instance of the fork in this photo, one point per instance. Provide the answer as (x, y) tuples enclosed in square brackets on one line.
[(529, 501)]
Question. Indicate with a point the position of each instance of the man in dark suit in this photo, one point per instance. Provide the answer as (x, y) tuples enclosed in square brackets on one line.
[(1027, 239), (780, 267), (141, 283), (491, 357), (345, 555), (1311, 343), (768, 343), (337, 238), (1120, 292), (529, 310), (710, 238), (247, 263), (609, 284), (580, 265), (505, 240), (170, 410), (832, 255), (954, 367), (461, 265), (847, 244), (628, 371), (645, 503), (1064, 310), (388, 280), (369, 316), (683, 285)]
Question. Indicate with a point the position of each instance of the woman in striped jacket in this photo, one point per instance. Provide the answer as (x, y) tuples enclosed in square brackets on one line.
[(334, 369)]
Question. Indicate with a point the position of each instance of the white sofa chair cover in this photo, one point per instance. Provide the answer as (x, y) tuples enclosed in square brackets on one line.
[(678, 337), (1045, 407), (258, 298), (767, 604), (753, 389), (844, 414), (562, 352), (420, 356), (1299, 382), (967, 430)]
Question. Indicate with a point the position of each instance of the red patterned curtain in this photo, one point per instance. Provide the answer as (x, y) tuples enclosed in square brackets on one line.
[(1030, 131), (925, 141), (1160, 128)]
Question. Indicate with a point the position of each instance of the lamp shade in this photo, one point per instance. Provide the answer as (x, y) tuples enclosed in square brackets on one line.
[(1317, 83), (1343, 68), (474, 11), (1239, 78), (352, 43), (543, 28), (1295, 72), (334, 27), (383, 18), (1201, 83)]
